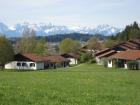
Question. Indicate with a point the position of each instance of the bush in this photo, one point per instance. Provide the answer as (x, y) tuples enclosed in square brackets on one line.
[(133, 65), (85, 57), (92, 61)]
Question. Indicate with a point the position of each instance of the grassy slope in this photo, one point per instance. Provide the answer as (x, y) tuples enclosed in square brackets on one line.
[(82, 85)]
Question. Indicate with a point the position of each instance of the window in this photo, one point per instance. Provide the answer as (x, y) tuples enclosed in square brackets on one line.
[(24, 64), (18, 64), (32, 64)]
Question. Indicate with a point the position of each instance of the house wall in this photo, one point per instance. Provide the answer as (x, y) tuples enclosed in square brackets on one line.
[(73, 61), (13, 65), (125, 66), (39, 65), (110, 63), (98, 60)]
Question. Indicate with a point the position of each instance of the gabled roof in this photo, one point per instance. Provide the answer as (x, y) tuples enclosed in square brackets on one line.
[(107, 54), (124, 47), (70, 55), (102, 51), (127, 55), (55, 59), (129, 45), (28, 57), (135, 41), (132, 43), (84, 48)]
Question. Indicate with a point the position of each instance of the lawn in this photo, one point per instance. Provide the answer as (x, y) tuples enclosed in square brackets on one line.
[(85, 84)]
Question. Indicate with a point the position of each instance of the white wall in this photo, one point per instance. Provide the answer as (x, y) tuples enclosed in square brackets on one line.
[(125, 66), (110, 63), (98, 60), (73, 61), (13, 65)]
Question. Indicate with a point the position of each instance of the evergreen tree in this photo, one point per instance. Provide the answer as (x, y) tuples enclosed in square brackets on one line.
[(6, 51), (130, 32)]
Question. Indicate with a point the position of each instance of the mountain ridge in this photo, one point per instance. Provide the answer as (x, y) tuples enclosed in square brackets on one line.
[(50, 29)]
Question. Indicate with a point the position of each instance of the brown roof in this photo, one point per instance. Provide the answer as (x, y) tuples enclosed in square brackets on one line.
[(107, 54), (28, 57), (55, 59), (131, 44), (70, 55), (102, 51), (84, 48), (125, 47), (135, 41), (127, 55)]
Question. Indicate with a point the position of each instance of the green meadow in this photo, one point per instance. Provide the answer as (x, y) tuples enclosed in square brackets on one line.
[(86, 84)]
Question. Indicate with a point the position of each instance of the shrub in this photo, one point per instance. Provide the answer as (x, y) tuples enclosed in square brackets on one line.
[(92, 61), (85, 57)]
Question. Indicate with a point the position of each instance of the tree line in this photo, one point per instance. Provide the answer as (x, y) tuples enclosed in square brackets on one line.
[(131, 32)]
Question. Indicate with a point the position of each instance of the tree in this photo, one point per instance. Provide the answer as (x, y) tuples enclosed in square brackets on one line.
[(94, 44), (69, 46), (41, 48), (28, 43), (110, 43), (6, 51), (135, 25), (130, 32), (85, 57)]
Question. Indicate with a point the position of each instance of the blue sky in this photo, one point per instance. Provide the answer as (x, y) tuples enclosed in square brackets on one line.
[(70, 12)]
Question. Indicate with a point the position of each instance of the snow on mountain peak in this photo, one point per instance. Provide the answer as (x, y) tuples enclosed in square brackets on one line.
[(43, 29)]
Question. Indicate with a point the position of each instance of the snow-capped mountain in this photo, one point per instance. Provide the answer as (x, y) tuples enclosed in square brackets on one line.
[(50, 29)]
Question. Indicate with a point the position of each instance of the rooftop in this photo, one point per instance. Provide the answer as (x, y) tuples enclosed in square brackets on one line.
[(127, 55), (55, 59)]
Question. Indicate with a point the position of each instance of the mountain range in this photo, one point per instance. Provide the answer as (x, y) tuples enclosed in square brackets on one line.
[(50, 29)]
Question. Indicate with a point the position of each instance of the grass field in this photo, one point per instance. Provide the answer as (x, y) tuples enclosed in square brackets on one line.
[(82, 85)]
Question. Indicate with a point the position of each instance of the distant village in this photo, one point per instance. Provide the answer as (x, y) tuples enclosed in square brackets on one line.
[(120, 51), (119, 55)]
